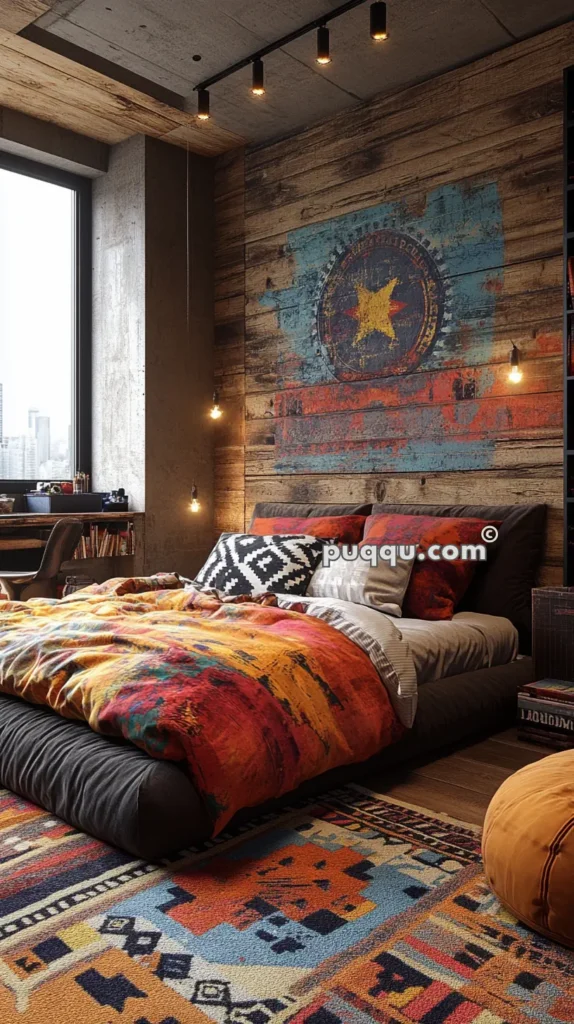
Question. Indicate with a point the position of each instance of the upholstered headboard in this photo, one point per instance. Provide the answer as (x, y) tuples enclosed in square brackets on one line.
[(502, 585), (276, 509)]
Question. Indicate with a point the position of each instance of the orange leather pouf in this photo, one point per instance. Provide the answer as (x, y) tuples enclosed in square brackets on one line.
[(528, 846)]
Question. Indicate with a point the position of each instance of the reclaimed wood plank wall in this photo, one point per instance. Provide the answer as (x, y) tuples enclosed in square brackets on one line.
[(288, 434)]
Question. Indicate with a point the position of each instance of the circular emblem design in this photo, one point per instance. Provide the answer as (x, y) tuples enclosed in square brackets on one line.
[(382, 305)]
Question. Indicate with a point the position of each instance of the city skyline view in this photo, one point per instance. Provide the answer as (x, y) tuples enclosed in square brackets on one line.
[(36, 337), (34, 453)]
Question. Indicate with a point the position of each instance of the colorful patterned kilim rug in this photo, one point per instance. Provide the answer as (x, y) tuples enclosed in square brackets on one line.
[(357, 909)]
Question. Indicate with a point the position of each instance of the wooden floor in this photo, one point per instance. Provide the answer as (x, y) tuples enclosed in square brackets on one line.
[(463, 783)]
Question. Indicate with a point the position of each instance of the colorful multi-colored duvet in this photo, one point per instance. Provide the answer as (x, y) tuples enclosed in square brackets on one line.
[(254, 698)]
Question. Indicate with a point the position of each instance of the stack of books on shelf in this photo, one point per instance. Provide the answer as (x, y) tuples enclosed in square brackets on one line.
[(546, 713), (106, 542)]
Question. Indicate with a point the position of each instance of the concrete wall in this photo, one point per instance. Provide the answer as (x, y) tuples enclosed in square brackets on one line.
[(118, 339), (153, 374)]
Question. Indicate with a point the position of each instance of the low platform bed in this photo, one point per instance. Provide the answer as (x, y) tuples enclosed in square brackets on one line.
[(151, 807), (118, 793)]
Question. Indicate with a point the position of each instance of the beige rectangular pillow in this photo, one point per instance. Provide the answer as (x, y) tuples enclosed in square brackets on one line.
[(382, 586)]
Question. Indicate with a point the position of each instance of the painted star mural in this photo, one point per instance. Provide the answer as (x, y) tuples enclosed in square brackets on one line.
[(375, 310), (382, 306), (376, 294)]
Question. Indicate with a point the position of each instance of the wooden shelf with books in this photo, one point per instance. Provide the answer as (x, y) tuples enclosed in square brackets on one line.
[(112, 543), (106, 540)]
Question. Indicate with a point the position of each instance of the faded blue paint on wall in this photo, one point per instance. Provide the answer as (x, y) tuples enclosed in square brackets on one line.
[(413, 457)]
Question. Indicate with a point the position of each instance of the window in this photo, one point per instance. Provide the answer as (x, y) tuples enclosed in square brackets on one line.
[(45, 299)]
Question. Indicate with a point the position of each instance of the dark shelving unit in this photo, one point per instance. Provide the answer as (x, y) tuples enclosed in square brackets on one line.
[(569, 327)]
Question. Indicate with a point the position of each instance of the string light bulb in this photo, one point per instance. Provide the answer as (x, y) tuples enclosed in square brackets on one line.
[(203, 105), (216, 412), (258, 82), (194, 506), (323, 48), (379, 21), (515, 373)]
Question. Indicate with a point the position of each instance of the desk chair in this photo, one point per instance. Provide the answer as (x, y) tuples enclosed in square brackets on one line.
[(60, 547)]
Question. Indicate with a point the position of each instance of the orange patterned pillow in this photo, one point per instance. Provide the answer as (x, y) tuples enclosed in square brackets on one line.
[(339, 529), (435, 587)]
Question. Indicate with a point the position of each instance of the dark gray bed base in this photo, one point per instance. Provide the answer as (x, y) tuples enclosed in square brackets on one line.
[(116, 792)]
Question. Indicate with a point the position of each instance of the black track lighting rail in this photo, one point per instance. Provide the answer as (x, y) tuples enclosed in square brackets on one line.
[(284, 41)]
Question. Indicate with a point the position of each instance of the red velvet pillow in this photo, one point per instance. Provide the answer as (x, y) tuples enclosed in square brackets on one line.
[(339, 529), (435, 588)]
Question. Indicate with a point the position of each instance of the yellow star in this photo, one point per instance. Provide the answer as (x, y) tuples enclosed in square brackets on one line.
[(375, 309)]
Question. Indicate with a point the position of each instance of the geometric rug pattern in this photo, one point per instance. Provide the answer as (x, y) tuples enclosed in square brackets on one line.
[(351, 910)]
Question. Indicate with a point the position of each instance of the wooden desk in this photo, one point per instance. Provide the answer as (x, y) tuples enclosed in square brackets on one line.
[(50, 518), (28, 532)]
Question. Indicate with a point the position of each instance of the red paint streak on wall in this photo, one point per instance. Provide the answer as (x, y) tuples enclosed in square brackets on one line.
[(549, 344), (491, 418), (415, 389)]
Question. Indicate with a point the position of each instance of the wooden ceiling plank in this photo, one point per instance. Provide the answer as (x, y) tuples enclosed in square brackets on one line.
[(34, 104), (202, 141), (140, 111), (61, 87), (18, 14), (208, 140), (54, 62)]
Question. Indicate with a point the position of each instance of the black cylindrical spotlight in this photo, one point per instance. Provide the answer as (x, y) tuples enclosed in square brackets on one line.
[(203, 105), (258, 83), (379, 21), (323, 49)]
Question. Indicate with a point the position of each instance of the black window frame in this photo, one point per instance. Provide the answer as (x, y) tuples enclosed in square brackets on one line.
[(82, 353)]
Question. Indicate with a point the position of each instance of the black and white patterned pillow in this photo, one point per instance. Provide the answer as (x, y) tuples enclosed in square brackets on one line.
[(241, 563)]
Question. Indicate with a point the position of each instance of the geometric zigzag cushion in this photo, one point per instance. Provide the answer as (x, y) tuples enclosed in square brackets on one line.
[(241, 563)]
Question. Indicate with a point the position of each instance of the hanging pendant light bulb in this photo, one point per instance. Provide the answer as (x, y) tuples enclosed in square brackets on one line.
[(379, 21), (258, 82), (515, 373), (194, 506), (203, 105), (216, 412), (323, 48)]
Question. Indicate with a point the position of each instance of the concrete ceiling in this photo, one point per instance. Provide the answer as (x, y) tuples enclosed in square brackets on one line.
[(157, 39)]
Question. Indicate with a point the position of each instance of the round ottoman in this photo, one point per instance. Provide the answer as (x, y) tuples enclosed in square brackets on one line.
[(528, 846)]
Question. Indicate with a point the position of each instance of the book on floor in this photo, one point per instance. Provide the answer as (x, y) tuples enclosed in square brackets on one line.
[(551, 689), (549, 721)]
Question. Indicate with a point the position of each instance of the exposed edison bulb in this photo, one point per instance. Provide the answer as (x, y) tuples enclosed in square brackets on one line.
[(515, 373), (194, 504), (215, 411)]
